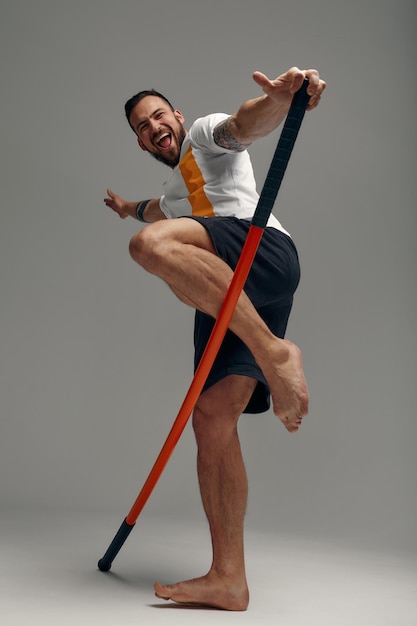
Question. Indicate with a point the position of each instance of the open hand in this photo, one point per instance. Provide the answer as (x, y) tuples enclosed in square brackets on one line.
[(117, 203), (282, 89)]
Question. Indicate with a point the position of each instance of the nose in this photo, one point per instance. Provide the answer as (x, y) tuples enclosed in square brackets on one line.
[(155, 125)]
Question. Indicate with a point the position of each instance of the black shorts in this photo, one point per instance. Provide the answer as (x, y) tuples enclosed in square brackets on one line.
[(270, 285)]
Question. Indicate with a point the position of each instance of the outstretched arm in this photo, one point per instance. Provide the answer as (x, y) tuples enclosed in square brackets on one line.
[(125, 209), (258, 117)]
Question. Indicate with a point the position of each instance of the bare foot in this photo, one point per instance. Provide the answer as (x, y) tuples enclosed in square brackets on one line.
[(287, 383), (209, 590)]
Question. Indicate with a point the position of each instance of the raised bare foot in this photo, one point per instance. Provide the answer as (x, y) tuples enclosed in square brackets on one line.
[(289, 392), (209, 590)]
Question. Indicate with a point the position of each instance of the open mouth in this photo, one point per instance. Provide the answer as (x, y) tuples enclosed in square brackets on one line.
[(164, 141)]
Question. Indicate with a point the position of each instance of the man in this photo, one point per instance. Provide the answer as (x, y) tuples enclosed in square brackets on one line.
[(212, 196)]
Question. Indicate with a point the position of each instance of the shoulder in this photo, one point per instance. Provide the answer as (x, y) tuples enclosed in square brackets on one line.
[(208, 121), (202, 130), (215, 132)]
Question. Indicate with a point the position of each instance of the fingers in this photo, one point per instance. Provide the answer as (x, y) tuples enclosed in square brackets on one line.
[(315, 88), (116, 203), (112, 199), (313, 81), (290, 82), (262, 80), (295, 78)]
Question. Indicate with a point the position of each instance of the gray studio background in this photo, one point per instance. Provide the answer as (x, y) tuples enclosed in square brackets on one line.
[(96, 356)]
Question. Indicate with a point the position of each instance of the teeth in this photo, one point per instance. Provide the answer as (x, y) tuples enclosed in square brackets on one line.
[(162, 137)]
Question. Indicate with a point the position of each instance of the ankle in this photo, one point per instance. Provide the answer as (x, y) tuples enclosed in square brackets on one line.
[(275, 351), (234, 577)]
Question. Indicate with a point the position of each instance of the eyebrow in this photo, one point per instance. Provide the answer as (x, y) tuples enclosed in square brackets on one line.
[(160, 109)]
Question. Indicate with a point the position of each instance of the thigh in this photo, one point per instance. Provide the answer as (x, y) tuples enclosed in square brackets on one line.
[(182, 230), (275, 271)]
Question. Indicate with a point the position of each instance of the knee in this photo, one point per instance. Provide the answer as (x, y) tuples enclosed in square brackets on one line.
[(212, 425), (205, 433), (201, 422), (144, 247)]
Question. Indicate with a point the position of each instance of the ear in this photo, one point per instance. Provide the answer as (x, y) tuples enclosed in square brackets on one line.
[(141, 144), (179, 116)]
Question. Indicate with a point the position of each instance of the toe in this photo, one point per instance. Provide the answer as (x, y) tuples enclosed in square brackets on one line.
[(162, 591)]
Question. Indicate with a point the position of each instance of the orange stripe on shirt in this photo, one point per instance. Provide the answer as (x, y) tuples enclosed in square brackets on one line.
[(194, 181)]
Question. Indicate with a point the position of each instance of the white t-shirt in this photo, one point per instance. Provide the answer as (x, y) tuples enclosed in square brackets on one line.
[(211, 180)]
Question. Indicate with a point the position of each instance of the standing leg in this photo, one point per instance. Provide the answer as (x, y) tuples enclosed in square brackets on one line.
[(224, 488)]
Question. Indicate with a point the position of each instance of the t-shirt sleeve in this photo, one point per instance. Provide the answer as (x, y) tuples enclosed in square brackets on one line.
[(201, 133)]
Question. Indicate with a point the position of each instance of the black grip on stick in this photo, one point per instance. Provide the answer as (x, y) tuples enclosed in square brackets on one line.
[(281, 156), (120, 537)]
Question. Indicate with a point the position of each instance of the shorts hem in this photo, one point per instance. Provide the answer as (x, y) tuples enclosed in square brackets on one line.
[(260, 400)]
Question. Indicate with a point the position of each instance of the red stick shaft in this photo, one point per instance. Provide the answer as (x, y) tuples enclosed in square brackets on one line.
[(213, 345)]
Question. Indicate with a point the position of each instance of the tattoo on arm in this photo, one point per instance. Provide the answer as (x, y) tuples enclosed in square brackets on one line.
[(224, 138)]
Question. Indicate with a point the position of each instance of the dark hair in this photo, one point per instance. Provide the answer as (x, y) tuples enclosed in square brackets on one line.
[(132, 102)]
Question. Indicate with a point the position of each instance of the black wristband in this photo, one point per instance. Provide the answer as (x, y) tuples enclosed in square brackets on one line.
[(140, 208)]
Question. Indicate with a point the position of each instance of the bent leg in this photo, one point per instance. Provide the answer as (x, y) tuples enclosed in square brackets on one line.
[(224, 488), (181, 253)]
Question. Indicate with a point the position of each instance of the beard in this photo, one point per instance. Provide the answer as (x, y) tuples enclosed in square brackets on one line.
[(174, 161)]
